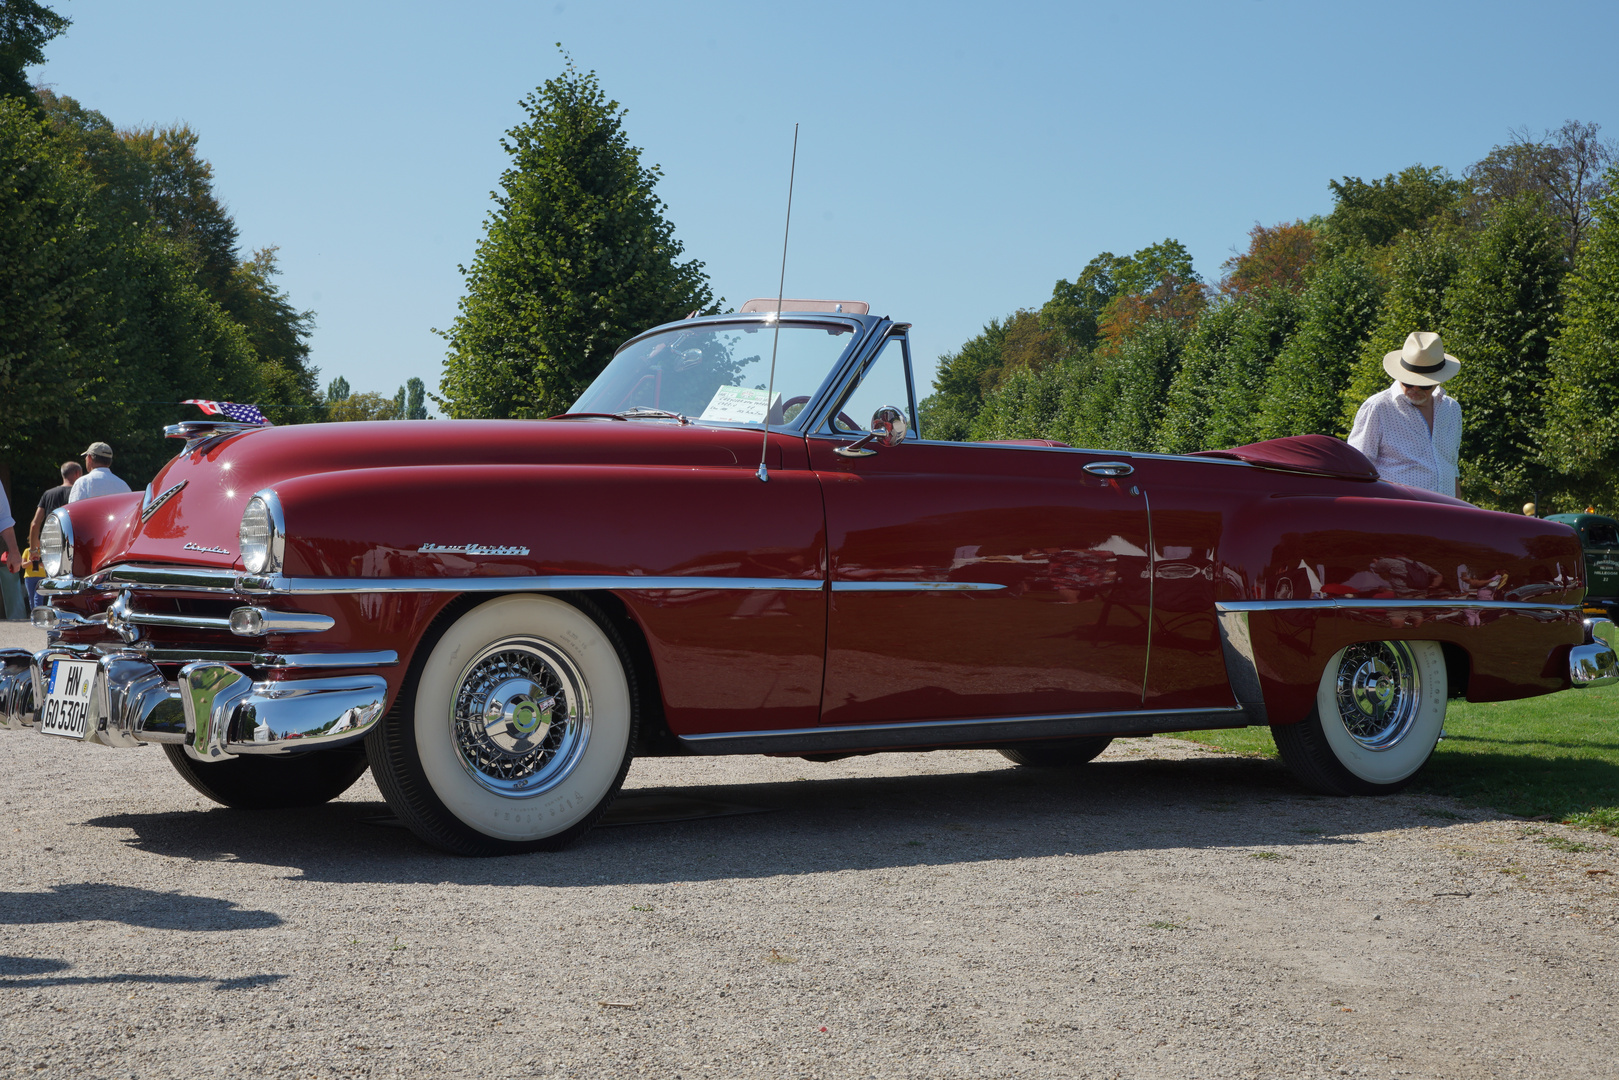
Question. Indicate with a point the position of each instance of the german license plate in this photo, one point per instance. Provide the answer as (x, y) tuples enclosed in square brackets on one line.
[(67, 699)]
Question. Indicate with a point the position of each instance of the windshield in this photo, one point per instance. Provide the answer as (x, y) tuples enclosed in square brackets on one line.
[(719, 373)]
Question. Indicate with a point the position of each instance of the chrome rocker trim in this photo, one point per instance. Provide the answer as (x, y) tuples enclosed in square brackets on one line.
[(820, 740), (1331, 604), (214, 711)]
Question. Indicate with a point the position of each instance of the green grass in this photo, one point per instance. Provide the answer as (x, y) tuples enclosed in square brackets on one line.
[(1556, 756)]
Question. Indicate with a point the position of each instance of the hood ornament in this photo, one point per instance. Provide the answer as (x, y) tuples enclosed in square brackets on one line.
[(151, 505)]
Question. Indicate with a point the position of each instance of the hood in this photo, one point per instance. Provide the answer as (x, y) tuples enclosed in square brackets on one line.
[(193, 507)]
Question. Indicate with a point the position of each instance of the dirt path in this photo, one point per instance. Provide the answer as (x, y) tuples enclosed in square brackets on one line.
[(1163, 912)]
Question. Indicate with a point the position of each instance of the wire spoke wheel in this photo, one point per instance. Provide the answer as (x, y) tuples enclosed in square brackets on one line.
[(1379, 709), (1378, 690), (521, 717)]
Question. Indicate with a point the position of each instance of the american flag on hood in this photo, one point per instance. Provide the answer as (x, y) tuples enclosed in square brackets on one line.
[(247, 414)]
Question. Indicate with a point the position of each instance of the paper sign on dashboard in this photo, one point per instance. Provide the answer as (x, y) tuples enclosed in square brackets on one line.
[(738, 404)]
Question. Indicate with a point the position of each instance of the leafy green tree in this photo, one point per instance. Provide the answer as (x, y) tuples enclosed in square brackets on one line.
[(415, 400), (1183, 424), (1374, 213), (1120, 405), (1581, 438), (1075, 310), (1502, 313), (103, 327), (25, 27), (576, 258), (1267, 318), (1338, 310), (337, 390), (366, 405), (963, 378), (1565, 168), (1022, 406), (1421, 267)]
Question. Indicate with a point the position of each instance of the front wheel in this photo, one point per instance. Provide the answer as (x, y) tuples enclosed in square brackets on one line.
[(251, 782), (1379, 710), (517, 732)]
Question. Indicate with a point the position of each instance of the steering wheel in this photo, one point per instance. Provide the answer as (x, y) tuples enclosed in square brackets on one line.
[(803, 399)]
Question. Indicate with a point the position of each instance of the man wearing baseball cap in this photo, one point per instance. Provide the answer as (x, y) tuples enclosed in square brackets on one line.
[(1412, 431), (98, 478)]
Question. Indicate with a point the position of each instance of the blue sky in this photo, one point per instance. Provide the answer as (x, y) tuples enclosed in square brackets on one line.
[(955, 159)]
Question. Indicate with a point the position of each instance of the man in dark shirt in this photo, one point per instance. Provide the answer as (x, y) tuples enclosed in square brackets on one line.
[(56, 496)]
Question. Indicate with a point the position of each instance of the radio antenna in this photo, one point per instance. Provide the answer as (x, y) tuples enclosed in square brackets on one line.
[(781, 288)]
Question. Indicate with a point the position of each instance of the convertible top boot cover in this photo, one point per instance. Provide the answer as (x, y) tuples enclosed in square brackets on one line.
[(1319, 454)]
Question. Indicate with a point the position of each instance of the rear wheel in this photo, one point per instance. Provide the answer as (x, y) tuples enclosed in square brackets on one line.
[(1058, 754), (252, 782), (517, 731), (1379, 710)]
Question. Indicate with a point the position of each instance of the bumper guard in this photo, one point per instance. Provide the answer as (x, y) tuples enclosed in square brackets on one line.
[(215, 711), (1596, 663)]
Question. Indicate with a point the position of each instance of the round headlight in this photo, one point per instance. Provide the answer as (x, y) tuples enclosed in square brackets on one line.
[(260, 537), (56, 544)]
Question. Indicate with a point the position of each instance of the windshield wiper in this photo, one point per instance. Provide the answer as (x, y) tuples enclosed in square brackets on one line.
[(641, 412), (578, 415)]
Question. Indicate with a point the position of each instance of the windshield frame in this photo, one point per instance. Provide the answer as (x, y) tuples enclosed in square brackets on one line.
[(861, 328)]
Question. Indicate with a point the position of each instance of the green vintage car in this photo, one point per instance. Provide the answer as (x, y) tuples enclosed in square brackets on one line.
[(1600, 537)]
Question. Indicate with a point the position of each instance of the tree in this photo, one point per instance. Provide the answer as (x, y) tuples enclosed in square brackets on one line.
[(1563, 167), (1375, 213), (337, 390), (415, 400), (368, 405), (1421, 267), (103, 327), (1278, 256), (25, 27), (1501, 314), (1338, 310), (1075, 309), (1156, 283), (1266, 319), (576, 257), (1118, 407), (1581, 439), (1183, 424)]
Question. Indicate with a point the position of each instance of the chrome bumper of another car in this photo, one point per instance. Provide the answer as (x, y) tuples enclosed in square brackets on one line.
[(212, 709), (1596, 663)]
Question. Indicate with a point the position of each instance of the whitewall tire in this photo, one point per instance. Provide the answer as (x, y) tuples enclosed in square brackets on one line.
[(516, 731), (1379, 711)]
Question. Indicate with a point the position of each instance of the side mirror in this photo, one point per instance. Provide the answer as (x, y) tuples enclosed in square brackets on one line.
[(888, 425), (888, 428)]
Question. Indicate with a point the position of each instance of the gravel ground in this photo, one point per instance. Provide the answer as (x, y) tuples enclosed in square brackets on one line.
[(1163, 912)]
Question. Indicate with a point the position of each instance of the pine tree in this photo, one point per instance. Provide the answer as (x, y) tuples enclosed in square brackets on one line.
[(576, 258)]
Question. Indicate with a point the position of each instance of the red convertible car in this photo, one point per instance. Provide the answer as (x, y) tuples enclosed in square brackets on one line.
[(712, 554)]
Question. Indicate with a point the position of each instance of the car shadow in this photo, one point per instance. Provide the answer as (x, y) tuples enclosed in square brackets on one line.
[(820, 826), (147, 908)]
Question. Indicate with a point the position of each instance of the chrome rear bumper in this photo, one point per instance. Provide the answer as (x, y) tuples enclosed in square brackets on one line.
[(1596, 663), (213, 709)]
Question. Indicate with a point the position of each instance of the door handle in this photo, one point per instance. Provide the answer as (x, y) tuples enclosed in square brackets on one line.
[(1109, 468)]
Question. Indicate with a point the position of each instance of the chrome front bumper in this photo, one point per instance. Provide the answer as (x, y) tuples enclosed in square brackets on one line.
[(1596, 663), (213, 709)]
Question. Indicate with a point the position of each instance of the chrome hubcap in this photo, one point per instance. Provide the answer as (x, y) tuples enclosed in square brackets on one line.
[(522, 717), (1377, 692)]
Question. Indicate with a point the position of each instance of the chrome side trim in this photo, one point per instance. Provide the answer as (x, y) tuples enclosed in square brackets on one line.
[(914, 586), (260, 622), (954, 732), (381, 658), (191, 579), (1329, 604), (1240, 668)]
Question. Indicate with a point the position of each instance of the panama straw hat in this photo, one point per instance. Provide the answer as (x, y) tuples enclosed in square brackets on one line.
[(1422, 361)]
